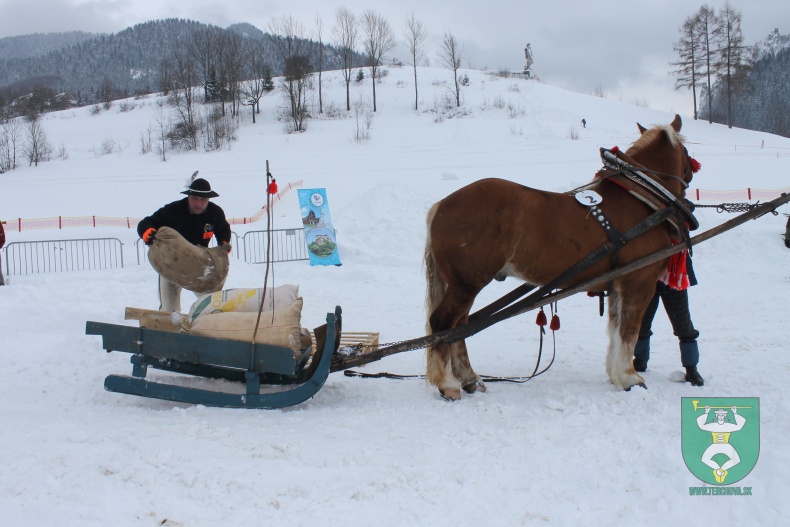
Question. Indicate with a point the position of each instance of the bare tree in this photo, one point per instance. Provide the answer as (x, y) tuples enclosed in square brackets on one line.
[(450, 57), (706, 23), (734, 61), (165, 76), (415, 34), (106, 92), (288, 37), (379, 39), (690, 57), (345, 35), (203, 48), (162, 130), (319, 33), (231, 67), (38, 148), (259, 82), (10, 143), (183, 97)]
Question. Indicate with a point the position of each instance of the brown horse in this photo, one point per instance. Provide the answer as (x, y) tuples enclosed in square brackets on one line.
[(495, 228)]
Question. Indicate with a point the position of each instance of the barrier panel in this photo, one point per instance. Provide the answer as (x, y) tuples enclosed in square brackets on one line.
[(288, 245), (63, 255)]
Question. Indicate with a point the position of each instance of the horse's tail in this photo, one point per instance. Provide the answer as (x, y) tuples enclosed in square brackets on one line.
[(435, 286)]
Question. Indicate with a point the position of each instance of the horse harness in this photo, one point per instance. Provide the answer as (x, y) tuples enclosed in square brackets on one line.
[(625, 174), (647, 189)]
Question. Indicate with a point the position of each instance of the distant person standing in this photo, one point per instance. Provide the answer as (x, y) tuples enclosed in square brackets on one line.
[(584, 122), (196, 219), (2, 243)]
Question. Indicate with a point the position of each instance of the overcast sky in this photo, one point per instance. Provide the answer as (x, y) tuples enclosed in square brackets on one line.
[(622, 46)]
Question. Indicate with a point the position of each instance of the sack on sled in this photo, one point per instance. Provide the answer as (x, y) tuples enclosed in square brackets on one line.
[(282, 327), (192, 267), (243, 300)]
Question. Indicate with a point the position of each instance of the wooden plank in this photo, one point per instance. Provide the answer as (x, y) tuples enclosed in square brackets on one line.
[(355, 338), (161, 320), (194, 348)]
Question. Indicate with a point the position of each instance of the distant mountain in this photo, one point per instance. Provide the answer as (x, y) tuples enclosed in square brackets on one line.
[(247, 30), (27, 46), (766, 104), (774, 43), (128, 59), (125, 63)]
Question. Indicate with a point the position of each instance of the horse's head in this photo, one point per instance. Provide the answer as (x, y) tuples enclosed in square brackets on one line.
[(661, 150)]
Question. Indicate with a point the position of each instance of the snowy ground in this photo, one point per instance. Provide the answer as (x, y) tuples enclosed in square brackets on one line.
[(564, 449)]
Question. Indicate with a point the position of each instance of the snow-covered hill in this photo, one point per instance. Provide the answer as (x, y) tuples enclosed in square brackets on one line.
[(563, 449)]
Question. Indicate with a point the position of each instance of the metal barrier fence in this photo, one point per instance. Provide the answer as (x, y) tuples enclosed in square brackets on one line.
[(288, 245), (63, 255)]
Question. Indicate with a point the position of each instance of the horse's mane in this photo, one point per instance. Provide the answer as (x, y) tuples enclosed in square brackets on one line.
[(650, 135)]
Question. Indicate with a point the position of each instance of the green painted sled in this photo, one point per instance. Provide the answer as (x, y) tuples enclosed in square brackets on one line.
[(273, 376)]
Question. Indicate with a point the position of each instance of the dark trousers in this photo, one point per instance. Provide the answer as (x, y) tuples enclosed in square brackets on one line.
[(676, 304)]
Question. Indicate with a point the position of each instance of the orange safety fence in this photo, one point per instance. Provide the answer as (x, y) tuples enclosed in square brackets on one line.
[(64, 222), (748, 194)]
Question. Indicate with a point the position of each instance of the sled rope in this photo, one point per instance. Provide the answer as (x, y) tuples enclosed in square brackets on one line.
[(487, 378)]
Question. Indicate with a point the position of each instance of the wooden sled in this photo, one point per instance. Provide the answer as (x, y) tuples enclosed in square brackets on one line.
[(273, 376)]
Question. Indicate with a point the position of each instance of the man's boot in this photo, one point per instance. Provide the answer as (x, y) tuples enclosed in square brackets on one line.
[(689, 357), (641, 354)]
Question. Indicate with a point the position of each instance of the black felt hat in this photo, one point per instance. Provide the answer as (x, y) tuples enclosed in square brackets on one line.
[(200, 188)]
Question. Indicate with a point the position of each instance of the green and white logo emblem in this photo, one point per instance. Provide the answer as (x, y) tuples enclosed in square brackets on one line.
[(720, 437)]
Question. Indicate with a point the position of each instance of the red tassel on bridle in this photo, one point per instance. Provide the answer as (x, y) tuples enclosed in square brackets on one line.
[(695, 165), (541, 319)]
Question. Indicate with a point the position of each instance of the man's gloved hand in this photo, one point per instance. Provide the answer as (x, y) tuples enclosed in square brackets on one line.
[(149, 236), (226, 246)]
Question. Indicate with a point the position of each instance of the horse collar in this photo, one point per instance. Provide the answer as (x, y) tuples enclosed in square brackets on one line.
[(613, 161)]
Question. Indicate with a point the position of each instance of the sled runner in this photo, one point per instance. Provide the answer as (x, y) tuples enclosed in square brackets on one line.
[(273, 376)]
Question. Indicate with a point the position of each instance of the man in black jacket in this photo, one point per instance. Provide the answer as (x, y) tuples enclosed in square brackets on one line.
[(196, 219)]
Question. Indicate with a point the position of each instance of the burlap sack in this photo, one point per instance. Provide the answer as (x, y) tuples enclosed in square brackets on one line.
[(243, 300), (285, 330), (191, 266)]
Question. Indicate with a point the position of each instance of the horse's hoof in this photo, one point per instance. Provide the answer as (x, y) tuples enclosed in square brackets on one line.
[(453, 394), (476, 386), (640, 384)]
